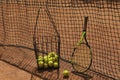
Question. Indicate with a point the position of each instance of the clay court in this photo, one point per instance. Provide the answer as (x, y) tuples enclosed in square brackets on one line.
[(29, 27)]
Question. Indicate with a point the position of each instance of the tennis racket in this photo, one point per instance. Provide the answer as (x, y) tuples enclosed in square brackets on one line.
[(82, 54)]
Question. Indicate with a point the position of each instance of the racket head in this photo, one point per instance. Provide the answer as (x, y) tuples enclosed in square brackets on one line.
[(82, 58)]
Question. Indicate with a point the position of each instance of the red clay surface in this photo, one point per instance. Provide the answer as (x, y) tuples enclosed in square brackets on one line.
[(8, 72)]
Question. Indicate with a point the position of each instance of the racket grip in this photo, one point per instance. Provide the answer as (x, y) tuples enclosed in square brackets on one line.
[(85, 23)]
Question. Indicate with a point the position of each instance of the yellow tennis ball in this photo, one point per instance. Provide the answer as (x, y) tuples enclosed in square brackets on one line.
[(50, 59), (51, 54), (45, 59), (53, 59), (50, 63), (40, 58), (41, 64), (56, 57), (65, 73), (45, 65), (55, 64)]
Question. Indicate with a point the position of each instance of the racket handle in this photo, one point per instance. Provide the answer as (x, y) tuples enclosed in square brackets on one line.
[(85, 23)]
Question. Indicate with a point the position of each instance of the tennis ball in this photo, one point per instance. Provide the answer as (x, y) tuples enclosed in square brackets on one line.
[(40, 58), (55, 64), (45, 59), (45, 65), (50, 59), (50, 63), (40, 63), (56, 57), (48, 56), (52, 54), (65, 73), (53, 59)]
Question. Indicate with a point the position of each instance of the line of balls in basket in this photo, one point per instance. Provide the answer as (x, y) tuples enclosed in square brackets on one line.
[(48, 61)]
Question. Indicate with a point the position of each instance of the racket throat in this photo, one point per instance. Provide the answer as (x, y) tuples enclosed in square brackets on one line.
[(81, 39)]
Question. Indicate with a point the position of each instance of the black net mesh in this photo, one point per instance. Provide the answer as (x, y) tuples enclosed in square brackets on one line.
[(18, 19)]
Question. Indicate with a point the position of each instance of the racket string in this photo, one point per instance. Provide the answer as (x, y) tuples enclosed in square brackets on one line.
[(82, 57)]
